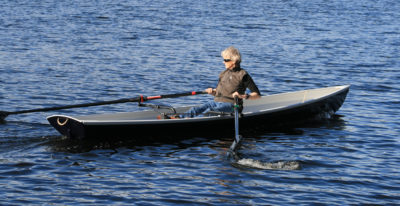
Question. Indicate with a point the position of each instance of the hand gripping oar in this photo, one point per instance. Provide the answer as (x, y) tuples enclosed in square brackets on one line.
[(236, 142), (141, 98)]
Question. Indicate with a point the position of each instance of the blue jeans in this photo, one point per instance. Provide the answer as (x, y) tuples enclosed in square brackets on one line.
[(209, 106)]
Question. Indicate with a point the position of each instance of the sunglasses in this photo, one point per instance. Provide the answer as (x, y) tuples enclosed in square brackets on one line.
[(227, 60)]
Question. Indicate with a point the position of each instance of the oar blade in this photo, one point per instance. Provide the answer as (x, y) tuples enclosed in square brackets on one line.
[(236, 144), (3, 115), (234, 147)]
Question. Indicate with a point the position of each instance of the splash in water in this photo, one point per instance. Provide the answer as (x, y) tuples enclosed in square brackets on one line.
[(280, 165)]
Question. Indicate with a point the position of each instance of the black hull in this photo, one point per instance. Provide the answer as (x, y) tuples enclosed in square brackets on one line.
[(321, 108)]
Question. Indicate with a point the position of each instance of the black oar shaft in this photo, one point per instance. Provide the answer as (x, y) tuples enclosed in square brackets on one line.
[(4, 114), (75, 106), (237, 139)]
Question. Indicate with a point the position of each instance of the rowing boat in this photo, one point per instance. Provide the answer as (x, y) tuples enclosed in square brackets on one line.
[(267, 111)]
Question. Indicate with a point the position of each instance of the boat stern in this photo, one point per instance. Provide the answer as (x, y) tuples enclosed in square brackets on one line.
[(67, 126)]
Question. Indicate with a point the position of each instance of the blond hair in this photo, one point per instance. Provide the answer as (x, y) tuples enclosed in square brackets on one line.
[(233, 54)]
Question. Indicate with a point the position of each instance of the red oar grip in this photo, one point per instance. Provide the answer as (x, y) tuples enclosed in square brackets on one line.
[(154, 97)]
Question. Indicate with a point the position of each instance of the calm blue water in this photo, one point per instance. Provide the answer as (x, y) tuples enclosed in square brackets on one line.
[(70, 52)]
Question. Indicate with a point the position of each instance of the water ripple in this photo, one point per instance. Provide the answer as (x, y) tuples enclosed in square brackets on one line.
[(59, 53)]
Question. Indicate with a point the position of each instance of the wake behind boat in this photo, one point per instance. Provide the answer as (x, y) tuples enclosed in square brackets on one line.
[(268, 111)]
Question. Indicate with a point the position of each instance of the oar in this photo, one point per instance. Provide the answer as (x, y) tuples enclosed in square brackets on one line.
[(238, 138), (141, 98)]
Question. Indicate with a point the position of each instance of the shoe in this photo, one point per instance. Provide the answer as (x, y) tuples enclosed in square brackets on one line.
[(164, 116), (175, 116)]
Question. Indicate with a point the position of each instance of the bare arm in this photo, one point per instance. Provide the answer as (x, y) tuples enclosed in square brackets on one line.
[(253, 95)]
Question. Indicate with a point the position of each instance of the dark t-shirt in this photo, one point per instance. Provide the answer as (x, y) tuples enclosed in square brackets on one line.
[(231, 81)]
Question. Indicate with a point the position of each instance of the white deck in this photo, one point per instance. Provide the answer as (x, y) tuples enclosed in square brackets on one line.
[(264, 104)]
